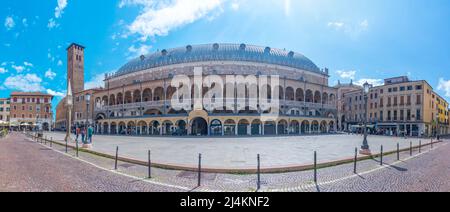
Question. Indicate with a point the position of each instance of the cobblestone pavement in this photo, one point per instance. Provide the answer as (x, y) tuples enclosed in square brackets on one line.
[(425, 171), (223, 152), (27, 166)]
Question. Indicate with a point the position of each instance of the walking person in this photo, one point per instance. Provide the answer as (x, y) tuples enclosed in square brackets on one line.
[(89, 134), (77, 134), (83, 135)]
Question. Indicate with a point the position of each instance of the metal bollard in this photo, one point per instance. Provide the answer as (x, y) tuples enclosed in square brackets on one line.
[(258, 184), (398, 151), (381, 156), (355, 161), (117, 157), (199, 170), (66, 145), (431, 144), (45, 140), (420, 146), (410, 148), (149, 164), (315, 166), (76, 143), (51, 141)]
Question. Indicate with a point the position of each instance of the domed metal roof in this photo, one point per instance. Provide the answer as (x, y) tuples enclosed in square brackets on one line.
[(219, 52)]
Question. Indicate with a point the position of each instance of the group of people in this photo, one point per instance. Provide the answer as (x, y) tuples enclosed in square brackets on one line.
[(85, 133)]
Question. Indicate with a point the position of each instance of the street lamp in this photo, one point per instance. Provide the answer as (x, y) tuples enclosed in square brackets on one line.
[(88, 101), (365, 149)]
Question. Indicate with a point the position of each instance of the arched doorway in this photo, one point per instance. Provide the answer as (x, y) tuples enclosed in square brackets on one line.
[(229, 127), (256, 127), (295, 127), (243, 127), (270, 128), (199, 127), (305, 127), (105, 128), (181, 128), (282, 127), (216, 127)]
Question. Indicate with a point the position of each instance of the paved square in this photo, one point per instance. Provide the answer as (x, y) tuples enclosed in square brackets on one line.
[(240, 153)]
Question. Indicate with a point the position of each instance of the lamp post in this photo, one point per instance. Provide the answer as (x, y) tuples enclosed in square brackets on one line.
[(365, 149), (87, 97), (69, 111)]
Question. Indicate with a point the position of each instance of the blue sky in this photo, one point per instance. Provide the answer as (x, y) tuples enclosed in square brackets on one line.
[(356, 39)]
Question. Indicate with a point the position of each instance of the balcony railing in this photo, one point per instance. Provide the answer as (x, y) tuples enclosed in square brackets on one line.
[(241, 103)]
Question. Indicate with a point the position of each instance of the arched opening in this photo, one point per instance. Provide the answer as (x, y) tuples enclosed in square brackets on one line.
[(290, 94), (119, 99), (167, 128), (216, 127), (332, 99), (147, 95), (299, 95), (229, 127), (105, 101), (181, 128), (154, 128), (199, 127), (256, 127), (137, 96), (142, 128), (309, 96), (315, 127), (243, 127), (282, 127), (317, 97), (159, 94), (128, 97), (112, 100), (305, 127), (131, 128), (331, 126), (270, 128), (122, 128), (280, 92), (295, 127)]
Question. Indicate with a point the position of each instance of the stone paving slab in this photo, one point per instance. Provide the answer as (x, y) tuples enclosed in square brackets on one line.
[(240, 153)]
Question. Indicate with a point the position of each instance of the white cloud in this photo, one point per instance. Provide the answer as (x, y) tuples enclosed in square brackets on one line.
[(59, 10), (235, 5), (4, 63), (27, 83), (96, 82), (444, 85), (353, 30), (52, 23), (56, 93), (374, 82), (9, 23), (3, 70), (136, 52), (158, 18), (60, 63), (346, 74), (50, 74), (27, 64), (336, 25), (18, 68)]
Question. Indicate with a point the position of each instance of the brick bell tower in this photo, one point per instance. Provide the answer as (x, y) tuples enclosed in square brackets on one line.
[(75, 67)]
